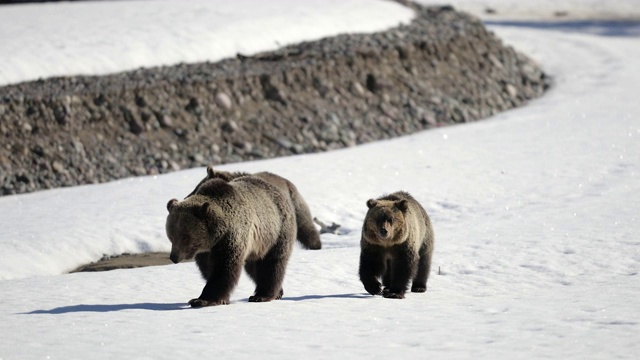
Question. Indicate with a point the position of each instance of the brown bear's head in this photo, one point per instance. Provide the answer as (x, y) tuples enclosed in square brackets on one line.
[(187, 228), (385, 222)]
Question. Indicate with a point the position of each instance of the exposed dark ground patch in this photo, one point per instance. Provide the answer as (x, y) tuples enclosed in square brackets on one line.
[(126, 261)]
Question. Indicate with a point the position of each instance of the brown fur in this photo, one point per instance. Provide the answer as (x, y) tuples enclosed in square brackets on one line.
[(396, 246), (227, 225), (307, 233)]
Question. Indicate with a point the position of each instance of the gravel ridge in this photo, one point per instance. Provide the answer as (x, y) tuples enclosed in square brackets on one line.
[(443, 68)]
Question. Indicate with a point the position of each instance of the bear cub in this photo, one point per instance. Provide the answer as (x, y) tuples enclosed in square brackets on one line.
[(396, 246), (308, 235), (228, 225)]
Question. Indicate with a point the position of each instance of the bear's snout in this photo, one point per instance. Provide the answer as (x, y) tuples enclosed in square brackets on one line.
[(384, 232), (174, 258)]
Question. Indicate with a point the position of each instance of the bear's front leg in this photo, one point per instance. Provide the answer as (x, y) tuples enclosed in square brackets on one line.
[(269, 272), (402, 268), (372, 266), (225, 273)]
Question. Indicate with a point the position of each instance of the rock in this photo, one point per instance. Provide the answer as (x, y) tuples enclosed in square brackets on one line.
[(271, 91), (223, 101), (163, 119), (58, 167), (60, 114), (357, 89), (372, 83), (100, 100), (229, 126), (512, 91), (194, 106), (136, 126), (140, 101), (198, 158)]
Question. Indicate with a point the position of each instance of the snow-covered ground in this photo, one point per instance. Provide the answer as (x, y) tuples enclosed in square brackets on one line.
[(101, 37), (554, 10), (536, 214)]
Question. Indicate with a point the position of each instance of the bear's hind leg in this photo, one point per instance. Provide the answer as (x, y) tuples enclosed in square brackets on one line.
[(422, 275), (308, 235), (252, 270)]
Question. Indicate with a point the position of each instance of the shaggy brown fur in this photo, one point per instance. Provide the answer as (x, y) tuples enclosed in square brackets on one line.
[(230, 224), (308, 235), (396, 245)]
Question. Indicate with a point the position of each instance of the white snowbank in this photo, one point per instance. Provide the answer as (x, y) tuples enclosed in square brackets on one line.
[(101, 37)]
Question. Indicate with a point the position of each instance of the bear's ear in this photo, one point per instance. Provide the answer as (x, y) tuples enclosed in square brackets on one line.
[(402, 205), (171, 204), (202, 210), (210, 172), (371, 203)]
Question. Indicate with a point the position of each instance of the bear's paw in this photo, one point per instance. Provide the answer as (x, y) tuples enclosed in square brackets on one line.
[(392, 295), (198, 303)]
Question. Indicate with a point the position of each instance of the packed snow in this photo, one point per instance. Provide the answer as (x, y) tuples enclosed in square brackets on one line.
[(545, 10), (535, 213), (96, 38)]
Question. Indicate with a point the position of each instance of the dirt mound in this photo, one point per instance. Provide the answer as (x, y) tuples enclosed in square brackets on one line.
[(443, 68)]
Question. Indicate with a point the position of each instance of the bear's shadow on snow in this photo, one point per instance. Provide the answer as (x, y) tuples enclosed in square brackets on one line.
[(329, 296), (111, 307), (170, 306)]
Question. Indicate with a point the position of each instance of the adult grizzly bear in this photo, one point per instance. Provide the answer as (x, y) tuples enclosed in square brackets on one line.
[(396, 245), (227, 225), (308, 235)]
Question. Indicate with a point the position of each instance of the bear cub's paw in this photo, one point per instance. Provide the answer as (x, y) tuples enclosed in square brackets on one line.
[(198, 303), (418, 289)]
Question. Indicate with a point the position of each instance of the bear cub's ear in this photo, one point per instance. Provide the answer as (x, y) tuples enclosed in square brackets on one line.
[(402, 205), (171, 204), (371, 203), (210, 172)]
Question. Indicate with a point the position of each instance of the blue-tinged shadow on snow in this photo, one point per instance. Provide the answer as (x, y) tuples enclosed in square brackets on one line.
[(594, 27), (110, 308), (329, 296)]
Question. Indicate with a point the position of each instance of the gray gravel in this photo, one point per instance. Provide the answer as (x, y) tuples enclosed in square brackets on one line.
[(443, 68)]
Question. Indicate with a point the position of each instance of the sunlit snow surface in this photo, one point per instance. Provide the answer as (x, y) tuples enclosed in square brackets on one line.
[(101, 37), (536, 220)]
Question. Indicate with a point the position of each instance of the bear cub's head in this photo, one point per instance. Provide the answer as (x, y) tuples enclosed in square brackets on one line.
[(187, 228), (385, 221)]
